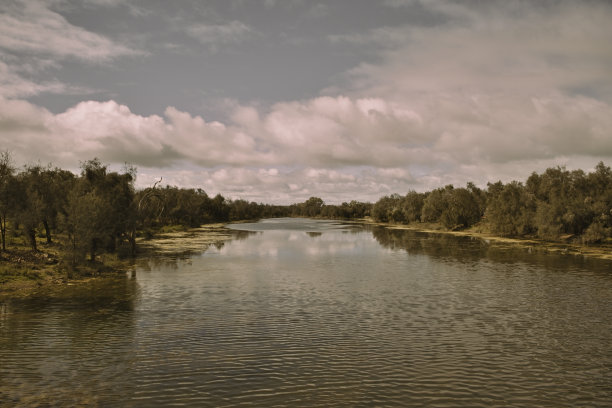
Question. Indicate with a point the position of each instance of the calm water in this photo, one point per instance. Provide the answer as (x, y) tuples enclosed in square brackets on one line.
[(314, 313)]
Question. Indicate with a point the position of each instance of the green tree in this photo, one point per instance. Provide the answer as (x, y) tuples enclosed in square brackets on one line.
[(45, 191), (412, 206), (99, 209), (462, 209), (511, 211), (599, 202), (435, 203), (388, 209), (29, 208), (312, 206)]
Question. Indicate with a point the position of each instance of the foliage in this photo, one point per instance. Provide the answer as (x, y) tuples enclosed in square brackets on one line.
[(7, 193), (557, 204), (454, 208), (510, 210), (99, 210)]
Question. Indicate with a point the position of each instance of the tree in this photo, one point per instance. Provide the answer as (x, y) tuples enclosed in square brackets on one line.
[(462, 209), (561, 196), (435, 203), (219, 209), (45, 192), (388, 209), (29, 205), (244, 210), (412, 206), (312, 206), (6, 192), (511, 211), (599, 203), (99, 209), (146, 208)]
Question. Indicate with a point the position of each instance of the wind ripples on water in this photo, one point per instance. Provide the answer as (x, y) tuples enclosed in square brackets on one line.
[(287, 318)]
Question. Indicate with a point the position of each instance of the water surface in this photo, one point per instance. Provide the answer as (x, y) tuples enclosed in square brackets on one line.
[(297, 312)]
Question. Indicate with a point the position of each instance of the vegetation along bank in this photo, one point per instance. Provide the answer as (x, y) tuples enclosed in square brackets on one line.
[(56, 226)]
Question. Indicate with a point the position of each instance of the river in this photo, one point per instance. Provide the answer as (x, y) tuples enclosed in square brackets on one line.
[(298, 312)]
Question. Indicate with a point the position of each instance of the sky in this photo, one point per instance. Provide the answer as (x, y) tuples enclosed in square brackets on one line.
[(275, 101)]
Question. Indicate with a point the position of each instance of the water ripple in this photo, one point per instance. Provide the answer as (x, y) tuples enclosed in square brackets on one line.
[(356, 326)]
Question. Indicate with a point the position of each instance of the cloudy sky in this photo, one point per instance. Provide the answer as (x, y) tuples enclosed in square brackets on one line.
[(279, 100)]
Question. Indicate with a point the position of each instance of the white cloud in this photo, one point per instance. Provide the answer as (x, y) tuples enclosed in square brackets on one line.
[(34, 39), (341, 131), (337, 148), (30, 26)]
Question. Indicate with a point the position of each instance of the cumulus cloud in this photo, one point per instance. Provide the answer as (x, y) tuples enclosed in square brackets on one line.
[(327, 132), (265, 154), (332, 147)]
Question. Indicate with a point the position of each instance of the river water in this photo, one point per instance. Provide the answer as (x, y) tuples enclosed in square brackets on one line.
[(297, 312)]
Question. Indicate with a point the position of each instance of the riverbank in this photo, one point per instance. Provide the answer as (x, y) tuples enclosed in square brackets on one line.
[(24, 273), (601, 251)]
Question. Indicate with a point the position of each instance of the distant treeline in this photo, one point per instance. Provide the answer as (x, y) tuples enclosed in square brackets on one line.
[(556, 205), (100, 210)]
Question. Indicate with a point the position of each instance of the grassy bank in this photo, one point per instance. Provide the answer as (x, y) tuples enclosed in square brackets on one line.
[(531, 244), (26, 273)]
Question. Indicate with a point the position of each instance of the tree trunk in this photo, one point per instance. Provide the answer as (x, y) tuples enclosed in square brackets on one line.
[(47, 231), (3, 231), (73, 241), (92, 250), (112, 244), (32, 238), (132, 240)]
